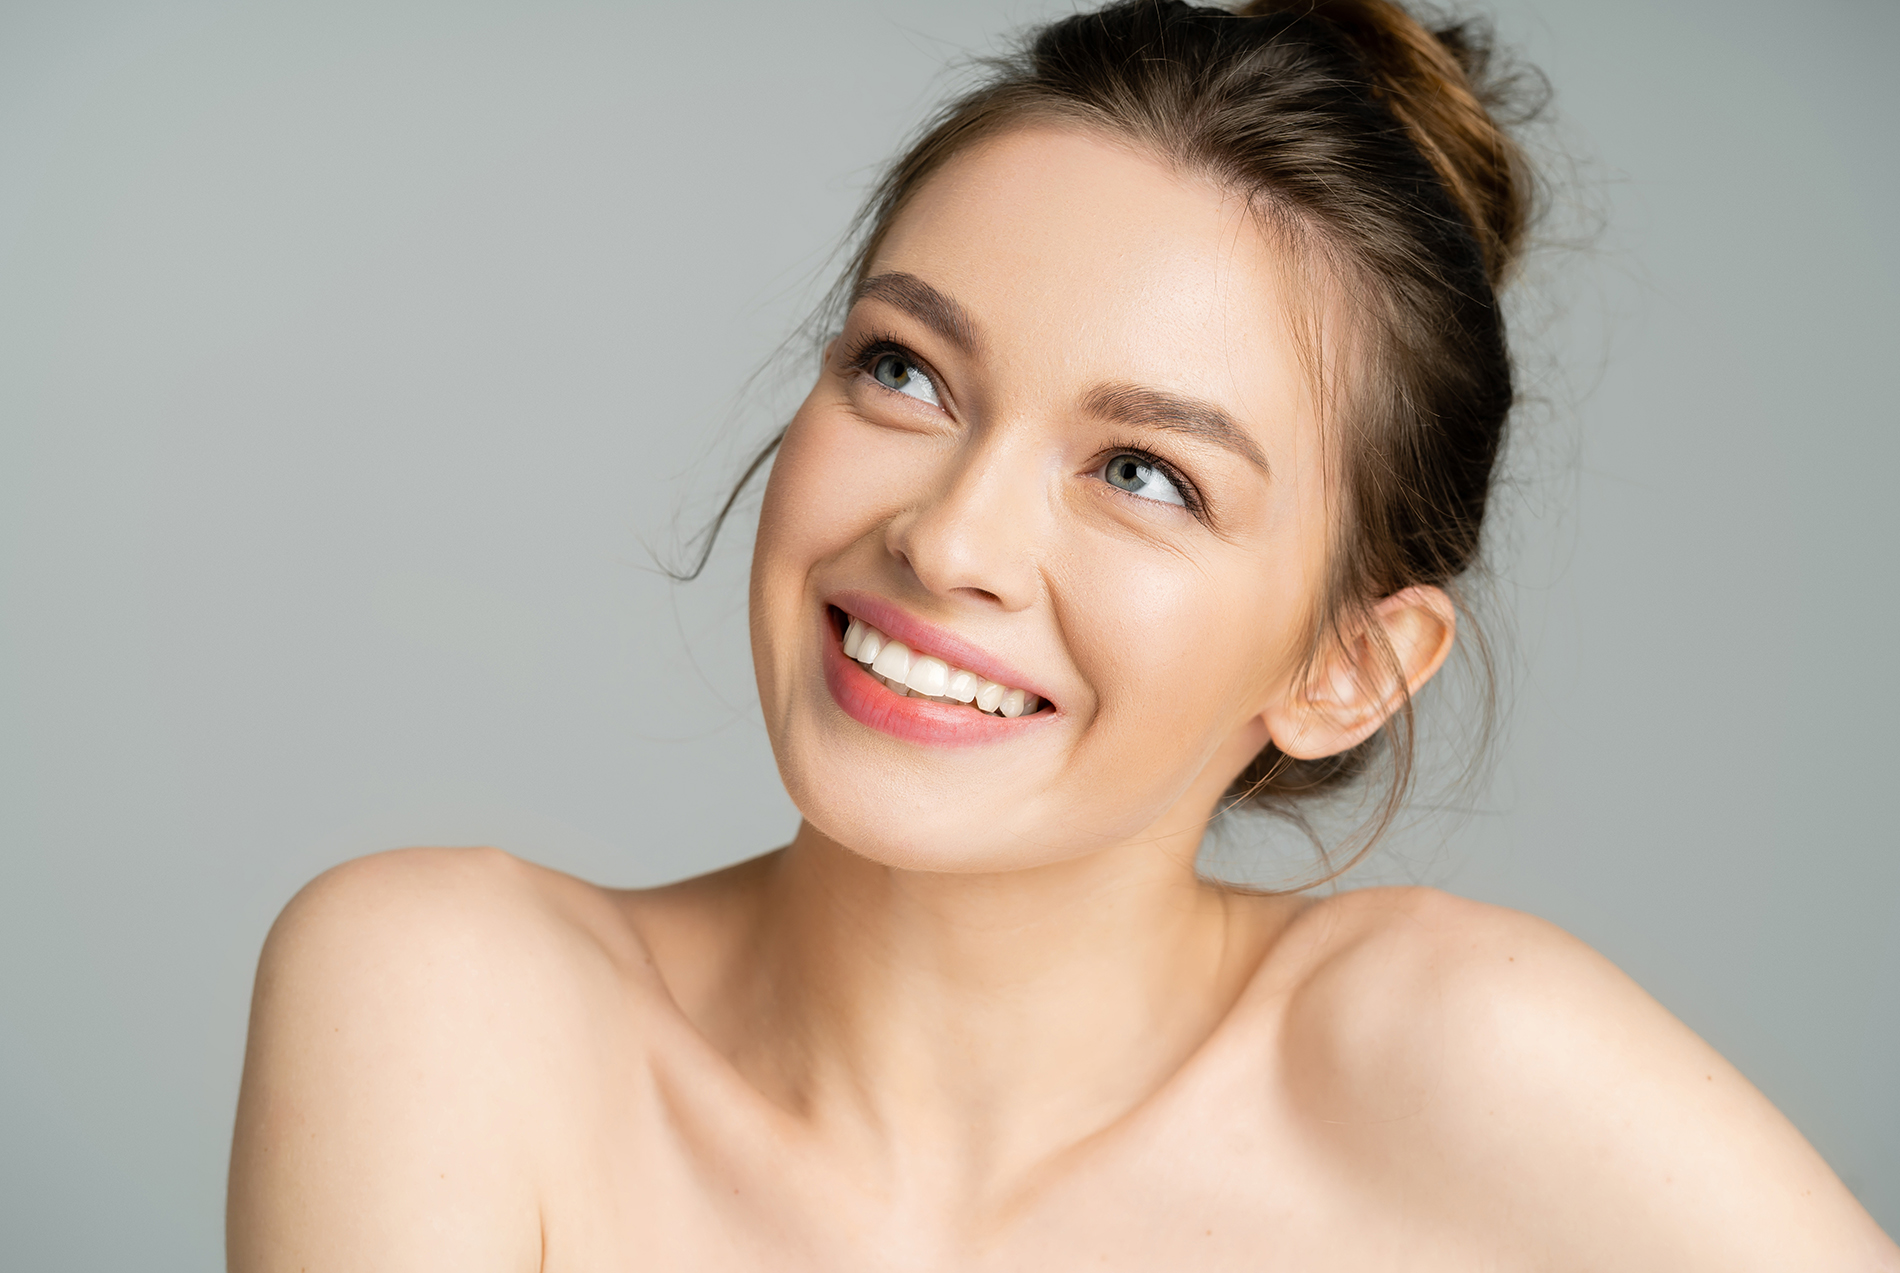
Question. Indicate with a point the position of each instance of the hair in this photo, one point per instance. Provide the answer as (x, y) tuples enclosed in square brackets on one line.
[(1370, 145)]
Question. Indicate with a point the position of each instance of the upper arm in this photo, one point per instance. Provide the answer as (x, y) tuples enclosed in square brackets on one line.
[(1534, 1089), (375, 1128)]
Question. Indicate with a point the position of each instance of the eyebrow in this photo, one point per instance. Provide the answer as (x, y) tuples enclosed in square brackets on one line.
[(1172, 413), (924, 303)]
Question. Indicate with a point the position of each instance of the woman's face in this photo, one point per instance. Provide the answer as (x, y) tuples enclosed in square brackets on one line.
[(1066, 443)]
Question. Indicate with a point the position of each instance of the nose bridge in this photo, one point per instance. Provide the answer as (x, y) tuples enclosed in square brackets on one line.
[(981, 525)]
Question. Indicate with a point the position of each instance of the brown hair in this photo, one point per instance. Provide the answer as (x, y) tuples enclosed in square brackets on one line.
[(1371, 144)]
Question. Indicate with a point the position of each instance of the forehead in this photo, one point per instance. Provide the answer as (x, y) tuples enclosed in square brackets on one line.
[(1097, 261)]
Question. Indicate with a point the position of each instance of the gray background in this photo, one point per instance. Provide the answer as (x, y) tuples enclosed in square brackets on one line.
[(351, 353)]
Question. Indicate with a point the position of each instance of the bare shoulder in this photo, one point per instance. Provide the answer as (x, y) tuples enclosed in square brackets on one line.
[(1490, 1062), (447, 912), (1378, 968), (424, 948), (412, 1013)]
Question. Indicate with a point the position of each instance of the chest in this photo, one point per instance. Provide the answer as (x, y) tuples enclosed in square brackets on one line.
[(1214, 1186)]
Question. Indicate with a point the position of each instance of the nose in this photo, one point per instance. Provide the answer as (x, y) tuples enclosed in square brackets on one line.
[(977, 532)]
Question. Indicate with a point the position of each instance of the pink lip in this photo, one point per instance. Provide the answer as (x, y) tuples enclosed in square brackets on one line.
[(930, 639), (866, 701)]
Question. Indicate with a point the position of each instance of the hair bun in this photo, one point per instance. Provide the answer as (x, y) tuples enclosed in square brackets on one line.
[(1441, 85)]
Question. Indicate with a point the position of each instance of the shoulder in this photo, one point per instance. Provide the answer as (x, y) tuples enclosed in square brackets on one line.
[(432, 942), (439, 955), (1390, 994), (1375, 971), (1491, 1062), (417, 1019), (444, 913)]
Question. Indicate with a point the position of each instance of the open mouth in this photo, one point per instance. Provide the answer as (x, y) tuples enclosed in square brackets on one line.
[(918, 674)]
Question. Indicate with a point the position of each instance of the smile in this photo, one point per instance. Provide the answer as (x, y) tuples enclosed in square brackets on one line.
[(913, 674), (922, 690)]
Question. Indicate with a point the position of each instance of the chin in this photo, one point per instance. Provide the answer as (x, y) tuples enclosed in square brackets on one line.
[(949, 814), (911, 839)]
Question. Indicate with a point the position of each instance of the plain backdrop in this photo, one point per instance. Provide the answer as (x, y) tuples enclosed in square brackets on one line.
[(352, 356)]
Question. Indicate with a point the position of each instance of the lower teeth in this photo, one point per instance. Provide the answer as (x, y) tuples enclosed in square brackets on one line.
[(898, 687)]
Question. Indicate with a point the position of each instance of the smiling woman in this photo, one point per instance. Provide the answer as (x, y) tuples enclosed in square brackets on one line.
[(1137, 480)]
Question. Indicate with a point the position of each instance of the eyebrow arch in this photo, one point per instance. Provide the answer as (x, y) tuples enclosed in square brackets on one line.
[(924, 303), (1172, 413)]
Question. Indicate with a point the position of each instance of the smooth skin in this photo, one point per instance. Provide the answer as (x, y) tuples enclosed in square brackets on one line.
[(981, 1013)]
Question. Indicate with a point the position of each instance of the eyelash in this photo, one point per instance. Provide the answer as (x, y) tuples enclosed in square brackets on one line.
[(1190, 493), (869, 348), (872, 346)]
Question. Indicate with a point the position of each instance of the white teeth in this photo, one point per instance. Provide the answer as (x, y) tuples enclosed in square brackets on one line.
[(928, 676), (893, 661), (963, 685), (913, 675)]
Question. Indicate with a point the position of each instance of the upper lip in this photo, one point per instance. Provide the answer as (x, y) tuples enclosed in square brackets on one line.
[(928, 638)]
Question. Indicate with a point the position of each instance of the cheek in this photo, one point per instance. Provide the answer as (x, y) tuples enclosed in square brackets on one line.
[(1183, 652), (794, 532), (833, 484), (795, 491), (832, 481)]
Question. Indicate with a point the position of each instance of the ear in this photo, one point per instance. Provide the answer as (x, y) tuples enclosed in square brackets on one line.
[(1357, 685)]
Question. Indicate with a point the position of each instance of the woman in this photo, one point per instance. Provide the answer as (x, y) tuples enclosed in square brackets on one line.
[(1136, 483)]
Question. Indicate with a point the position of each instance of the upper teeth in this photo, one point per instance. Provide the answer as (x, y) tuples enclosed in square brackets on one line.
[(921, 676)]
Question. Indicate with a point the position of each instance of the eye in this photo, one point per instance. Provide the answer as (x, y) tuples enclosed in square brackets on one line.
[(899, 374), (1138, 475)]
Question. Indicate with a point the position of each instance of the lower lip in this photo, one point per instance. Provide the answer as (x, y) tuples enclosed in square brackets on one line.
[(866, 700)]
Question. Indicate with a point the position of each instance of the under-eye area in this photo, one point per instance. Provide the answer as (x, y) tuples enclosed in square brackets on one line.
[(918, 674)]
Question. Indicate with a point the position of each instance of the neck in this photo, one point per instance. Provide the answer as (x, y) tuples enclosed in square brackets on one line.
[(966, 1024)]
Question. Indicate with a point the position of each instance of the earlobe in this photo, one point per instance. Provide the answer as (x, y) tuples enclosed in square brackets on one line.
[(1367, 675)]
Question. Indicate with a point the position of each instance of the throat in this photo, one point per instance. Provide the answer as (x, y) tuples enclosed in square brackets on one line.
[(992, 1018)]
